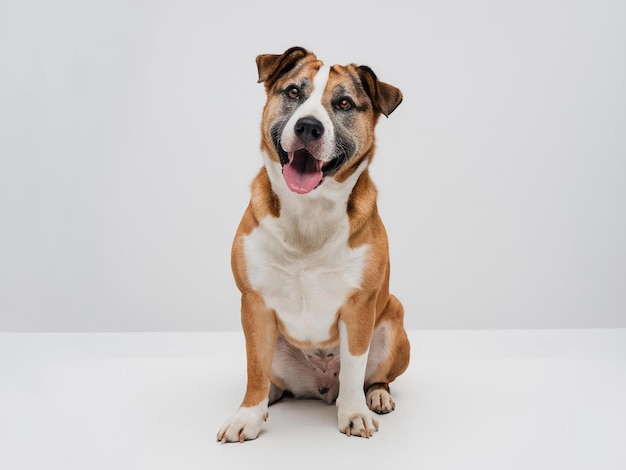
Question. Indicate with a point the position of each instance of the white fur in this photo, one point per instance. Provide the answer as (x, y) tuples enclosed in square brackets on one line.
[(301, 262), (313, 107), (245, 424), (354, 417)]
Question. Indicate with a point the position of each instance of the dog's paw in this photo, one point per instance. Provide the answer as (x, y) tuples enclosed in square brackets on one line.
[(359, 423), (380, 401), (244, 425)]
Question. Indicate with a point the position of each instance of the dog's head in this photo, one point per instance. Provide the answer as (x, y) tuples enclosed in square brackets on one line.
[(319, 121)]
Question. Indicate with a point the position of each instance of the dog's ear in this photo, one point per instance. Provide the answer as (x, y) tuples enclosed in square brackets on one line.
[(385, 97), (272, 66)]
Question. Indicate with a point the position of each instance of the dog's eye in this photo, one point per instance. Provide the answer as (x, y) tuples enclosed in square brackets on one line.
[(293, 93), (344, 104)]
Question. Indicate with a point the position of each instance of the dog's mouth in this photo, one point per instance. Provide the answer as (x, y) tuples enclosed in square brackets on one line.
[(303, 172)]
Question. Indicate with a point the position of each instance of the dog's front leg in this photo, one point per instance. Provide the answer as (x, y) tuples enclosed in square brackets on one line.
[(259, 326), (354, 417)]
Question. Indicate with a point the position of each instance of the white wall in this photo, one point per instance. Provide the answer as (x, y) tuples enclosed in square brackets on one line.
[(129, 136)]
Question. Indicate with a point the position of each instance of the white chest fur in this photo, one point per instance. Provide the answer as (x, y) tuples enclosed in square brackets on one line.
[(301, 262)]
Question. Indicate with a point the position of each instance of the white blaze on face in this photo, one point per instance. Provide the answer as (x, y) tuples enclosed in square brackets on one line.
[(312, 107), (304, 171)]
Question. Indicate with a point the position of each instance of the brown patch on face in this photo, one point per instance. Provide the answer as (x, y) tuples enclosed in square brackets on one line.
[(354, 126), (277, 110), (366, 98)]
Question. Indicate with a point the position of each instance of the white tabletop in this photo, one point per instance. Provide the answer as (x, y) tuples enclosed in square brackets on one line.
[(540, 399)]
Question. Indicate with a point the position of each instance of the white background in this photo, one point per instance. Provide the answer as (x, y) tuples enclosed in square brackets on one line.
[(129, 137), (470, 400)]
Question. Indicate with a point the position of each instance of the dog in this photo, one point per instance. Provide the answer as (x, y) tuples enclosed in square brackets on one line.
[(311, 256)]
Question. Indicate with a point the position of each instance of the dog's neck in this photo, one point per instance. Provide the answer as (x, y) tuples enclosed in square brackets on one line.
[(310, 221)]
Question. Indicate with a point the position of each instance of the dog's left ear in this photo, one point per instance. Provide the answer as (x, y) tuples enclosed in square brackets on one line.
[(385, 98)]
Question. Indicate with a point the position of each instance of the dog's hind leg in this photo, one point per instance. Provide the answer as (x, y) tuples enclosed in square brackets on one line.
[(388, 357)]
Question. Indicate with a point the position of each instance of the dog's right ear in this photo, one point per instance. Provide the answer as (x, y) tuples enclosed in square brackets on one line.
[(272, 66)]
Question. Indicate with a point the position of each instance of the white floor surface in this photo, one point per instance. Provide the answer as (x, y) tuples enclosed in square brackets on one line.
[(541, 399)]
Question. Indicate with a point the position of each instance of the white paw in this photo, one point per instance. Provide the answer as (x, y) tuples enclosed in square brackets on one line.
[(356, 420), (380, 401), (244, 425)]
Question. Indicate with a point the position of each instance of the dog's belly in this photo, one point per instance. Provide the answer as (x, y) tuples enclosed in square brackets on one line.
[(305, 289)]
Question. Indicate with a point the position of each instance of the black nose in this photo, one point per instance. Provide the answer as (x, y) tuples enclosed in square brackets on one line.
[(323, 390), (308, 129)]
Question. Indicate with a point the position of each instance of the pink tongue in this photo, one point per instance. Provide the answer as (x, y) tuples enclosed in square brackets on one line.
[(303, 172)]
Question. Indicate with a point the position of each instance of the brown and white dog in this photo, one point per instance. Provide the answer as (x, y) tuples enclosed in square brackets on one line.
[(310, 256)]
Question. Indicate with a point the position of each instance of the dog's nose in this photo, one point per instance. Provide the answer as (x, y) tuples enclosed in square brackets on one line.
[(323, 390), (308, 129)]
